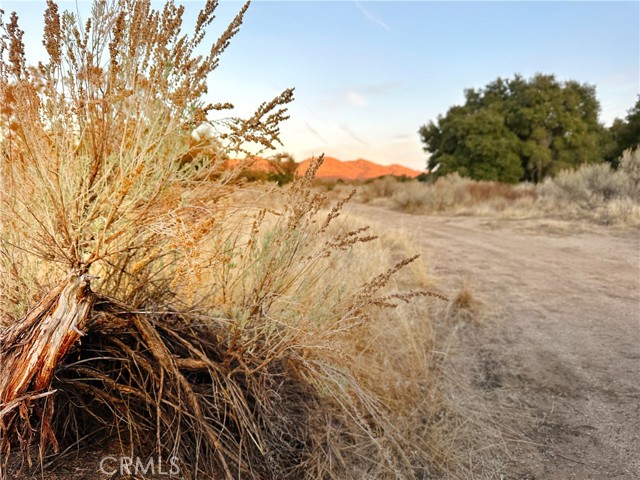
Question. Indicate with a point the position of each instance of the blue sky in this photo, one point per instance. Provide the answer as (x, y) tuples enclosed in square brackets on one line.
[(369, 74)]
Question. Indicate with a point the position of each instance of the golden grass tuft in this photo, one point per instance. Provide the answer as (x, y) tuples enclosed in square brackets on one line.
[(156, 302), (464, 306)]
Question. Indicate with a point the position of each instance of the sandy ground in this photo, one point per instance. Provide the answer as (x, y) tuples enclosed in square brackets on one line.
[(567, 348)]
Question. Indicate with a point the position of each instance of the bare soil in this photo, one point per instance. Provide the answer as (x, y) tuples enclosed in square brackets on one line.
[(566, 350)]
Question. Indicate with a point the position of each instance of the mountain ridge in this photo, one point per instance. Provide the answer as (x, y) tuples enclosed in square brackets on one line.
[(359, 169)]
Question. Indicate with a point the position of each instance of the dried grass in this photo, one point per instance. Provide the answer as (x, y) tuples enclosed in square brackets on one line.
[(243, 339), (597, 192), (594, 193), (452, 193), (276, 371)]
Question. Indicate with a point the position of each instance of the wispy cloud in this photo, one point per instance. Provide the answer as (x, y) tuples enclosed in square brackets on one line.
[(380, 88), (402, 137), (356, 99), (359, 94), (369, 16), (315, 132), (352, 134)]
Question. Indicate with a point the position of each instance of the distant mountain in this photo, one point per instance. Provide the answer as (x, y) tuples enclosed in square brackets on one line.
[(360, 169), (334, 169)]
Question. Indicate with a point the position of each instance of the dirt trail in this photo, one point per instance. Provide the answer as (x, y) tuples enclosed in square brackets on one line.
[(569, 347)]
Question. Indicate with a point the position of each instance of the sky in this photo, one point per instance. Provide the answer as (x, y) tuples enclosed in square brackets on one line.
[(369, 74)]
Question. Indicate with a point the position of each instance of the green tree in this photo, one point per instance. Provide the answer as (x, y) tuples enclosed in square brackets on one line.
[(624, 134), (517, 129)]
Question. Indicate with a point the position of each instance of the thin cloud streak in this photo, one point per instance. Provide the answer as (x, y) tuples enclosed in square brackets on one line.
[(371, 18), (315, 132), (352, 134)]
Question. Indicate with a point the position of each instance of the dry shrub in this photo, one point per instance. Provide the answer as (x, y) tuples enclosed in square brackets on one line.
[(629, 167), (276, 371), (589, 186), (92, 164), (487, 191), (451, 193), (379, 188), (245, 341), (593, 192), (596, 192)]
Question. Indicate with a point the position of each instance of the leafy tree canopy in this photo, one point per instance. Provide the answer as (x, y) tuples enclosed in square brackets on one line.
[(517, 129), (624, 134)]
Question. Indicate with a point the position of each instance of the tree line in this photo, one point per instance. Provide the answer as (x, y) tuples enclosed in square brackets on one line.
[(521, 129)]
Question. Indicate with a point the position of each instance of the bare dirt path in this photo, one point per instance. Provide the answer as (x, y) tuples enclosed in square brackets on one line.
[(569, 346)]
